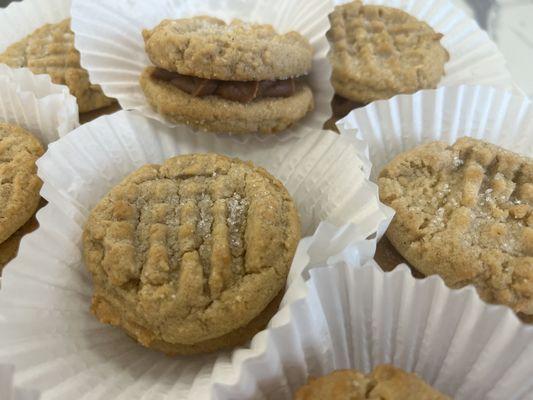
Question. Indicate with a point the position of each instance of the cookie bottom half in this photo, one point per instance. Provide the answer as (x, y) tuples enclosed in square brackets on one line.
[(212, 113), (398, 238), (359, 92), (388, 258), (106, 313)]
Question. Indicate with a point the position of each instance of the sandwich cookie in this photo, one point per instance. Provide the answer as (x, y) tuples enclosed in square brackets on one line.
[(191, 256), (236, 78)]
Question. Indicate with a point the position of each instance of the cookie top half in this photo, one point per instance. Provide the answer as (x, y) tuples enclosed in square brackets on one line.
[(19, 183), (209, 48), (192, 249), (465, 212), (378, 52)]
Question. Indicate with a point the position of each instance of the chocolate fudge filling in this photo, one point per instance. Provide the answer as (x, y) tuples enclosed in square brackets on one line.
[(243, 92)]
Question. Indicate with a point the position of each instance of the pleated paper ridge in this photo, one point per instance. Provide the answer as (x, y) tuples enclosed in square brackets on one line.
[(46, 329), (47, 110), (6, 382), (454, 341), (494, 115), (325, 173), (474, 57), (108, 35), (8, 391), (19, 19)]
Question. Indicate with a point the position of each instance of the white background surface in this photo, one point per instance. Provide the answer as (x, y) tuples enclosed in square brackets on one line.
[(509, 24)]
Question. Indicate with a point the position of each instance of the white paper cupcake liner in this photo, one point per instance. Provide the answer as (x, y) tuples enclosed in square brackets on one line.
[(6, 382), (29, 100), (8, 391), (474, 58), (47, 110), (354, 315), (392, 126), (19, 19), (108, 35), (46, 330)]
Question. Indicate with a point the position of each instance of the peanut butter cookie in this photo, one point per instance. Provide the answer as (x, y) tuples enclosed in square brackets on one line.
[(465, 212), (385, 382), (19, 183), (238, 78), (191, 256), (208, 48), (50, 50), (378, 52)]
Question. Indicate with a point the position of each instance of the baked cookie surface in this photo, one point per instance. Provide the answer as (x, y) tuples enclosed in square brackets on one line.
[(209, 48), (19, 183), (50, 50), (385, 382), (187, 256), (378, 52), (464, 212)]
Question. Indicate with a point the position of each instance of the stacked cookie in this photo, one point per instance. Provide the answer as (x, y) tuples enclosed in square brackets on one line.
[(192, 255), (19, 187), (238, 78)]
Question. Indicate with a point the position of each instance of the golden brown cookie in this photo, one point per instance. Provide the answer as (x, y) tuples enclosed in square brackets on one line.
[(215, 114), (465, 212), (237, 78), (208, 48), (19, 183), (378, 52), (385, 382), (110, 315), (187, 256), (50, 50)]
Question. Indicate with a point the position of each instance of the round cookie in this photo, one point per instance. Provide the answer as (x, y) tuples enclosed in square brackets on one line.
[(385, 382), (213, 113), (19, 183), (208, 48), (465, 212), (189, 256), (378, 52), (50, 50)]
